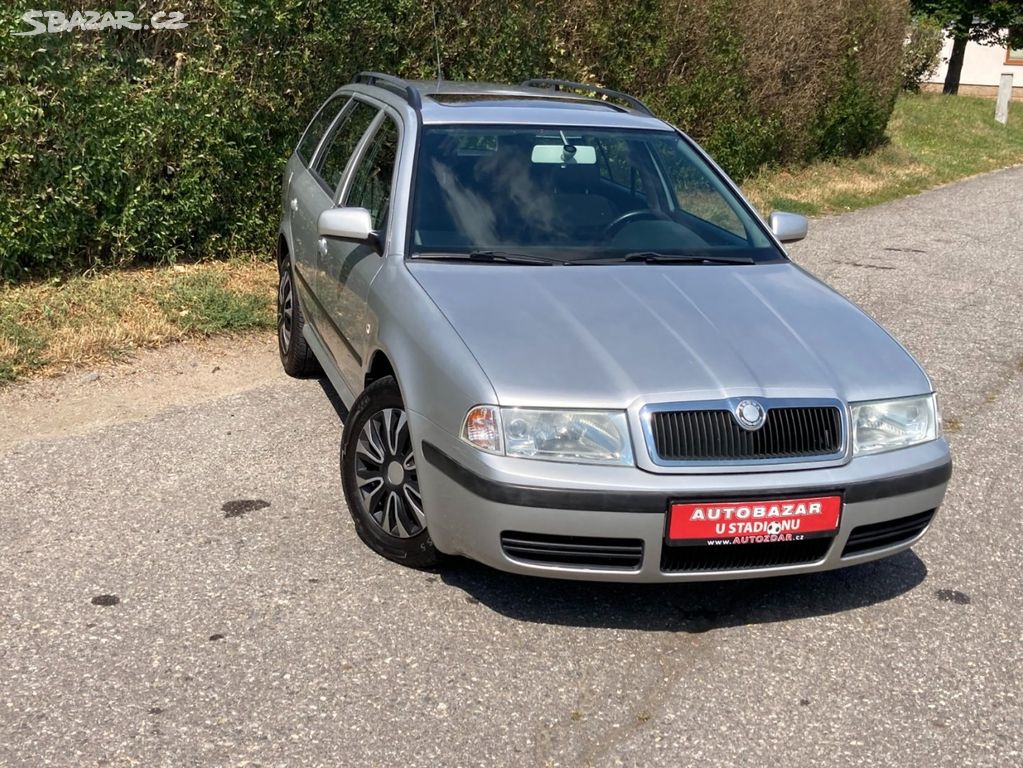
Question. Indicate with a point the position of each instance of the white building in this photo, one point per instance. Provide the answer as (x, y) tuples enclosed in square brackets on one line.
[(983, 66)]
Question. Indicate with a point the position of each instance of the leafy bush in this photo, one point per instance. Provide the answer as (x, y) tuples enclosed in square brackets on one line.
[(124, 147), (922, 52)]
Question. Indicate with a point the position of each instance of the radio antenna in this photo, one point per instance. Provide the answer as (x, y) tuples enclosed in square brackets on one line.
[(436, 43)]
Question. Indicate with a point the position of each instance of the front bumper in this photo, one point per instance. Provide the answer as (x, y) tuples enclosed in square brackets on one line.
[(472, 500)]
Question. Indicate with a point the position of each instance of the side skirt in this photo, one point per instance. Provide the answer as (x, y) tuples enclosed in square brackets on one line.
[(328, 365)]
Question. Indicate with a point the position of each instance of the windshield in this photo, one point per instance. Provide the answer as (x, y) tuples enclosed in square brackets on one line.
[(579, 194)]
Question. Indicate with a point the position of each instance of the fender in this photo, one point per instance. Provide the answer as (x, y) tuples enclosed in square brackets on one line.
[(448, 366)]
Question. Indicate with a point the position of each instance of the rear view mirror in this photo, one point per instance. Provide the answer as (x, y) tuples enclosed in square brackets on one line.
[(567, 154), (788, 227), (346, 223)]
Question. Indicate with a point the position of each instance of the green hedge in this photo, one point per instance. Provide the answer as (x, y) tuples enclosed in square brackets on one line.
[(120, 147)]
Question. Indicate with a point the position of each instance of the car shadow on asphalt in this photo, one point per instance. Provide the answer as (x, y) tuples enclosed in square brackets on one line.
[(332, 396), (685, 607)]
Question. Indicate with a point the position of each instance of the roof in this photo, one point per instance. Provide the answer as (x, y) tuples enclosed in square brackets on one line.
[(453, 102)]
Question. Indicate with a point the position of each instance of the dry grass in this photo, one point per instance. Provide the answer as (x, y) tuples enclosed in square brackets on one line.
[(830, 187), (934, 140), (50, 327)]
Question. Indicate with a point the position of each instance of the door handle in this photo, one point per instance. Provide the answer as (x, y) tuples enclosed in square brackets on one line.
[(294, 203), (322, 246)]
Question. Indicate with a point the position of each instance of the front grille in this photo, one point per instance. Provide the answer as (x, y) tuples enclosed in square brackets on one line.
[(578, 551), (788, 433), (737, 557), (877, 535)]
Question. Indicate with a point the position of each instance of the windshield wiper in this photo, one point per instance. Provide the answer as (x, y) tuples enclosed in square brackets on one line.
[(653, 257), (502, 257)]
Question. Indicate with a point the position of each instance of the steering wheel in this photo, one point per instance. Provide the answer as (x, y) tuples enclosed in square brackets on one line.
[(641, 214)]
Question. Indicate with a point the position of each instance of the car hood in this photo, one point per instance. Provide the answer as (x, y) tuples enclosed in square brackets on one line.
[(608, 336)]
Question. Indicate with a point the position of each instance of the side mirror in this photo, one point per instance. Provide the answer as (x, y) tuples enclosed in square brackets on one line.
[(788, 227), (347, 224)]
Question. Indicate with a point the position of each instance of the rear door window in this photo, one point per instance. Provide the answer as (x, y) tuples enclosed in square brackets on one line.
[(340, 145)]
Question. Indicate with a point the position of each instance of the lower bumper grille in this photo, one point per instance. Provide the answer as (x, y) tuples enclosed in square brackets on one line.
[(877, 535), (577, 551), (737, 557)]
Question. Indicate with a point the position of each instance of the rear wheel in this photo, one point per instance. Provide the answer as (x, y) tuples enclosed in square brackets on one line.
[(296, 357), (380, 477)]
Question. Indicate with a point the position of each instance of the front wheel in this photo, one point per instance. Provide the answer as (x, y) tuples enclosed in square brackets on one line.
[(381, 480)]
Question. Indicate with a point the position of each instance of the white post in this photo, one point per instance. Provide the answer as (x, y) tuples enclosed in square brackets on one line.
[(1004, 94)]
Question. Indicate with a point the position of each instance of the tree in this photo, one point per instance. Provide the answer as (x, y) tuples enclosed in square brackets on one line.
[(989, 22)]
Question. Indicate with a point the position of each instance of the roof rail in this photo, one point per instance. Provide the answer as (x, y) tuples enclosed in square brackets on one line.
[(394, 84), (559, 85)]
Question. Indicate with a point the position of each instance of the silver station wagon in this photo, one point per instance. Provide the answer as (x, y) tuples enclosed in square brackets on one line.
[(569, 347)]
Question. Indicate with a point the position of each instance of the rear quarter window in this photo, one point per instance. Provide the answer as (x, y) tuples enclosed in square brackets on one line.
[(318, 126), (340, 145)]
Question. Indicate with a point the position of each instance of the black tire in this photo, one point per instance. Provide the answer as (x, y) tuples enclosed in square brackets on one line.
[(296, 357), (384, 499)]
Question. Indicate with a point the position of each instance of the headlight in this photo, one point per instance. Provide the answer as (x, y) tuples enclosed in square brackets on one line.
[(889, 424), (590, 437)]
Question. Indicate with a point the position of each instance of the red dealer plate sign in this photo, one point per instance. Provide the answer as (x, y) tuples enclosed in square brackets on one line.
[(753, 522)]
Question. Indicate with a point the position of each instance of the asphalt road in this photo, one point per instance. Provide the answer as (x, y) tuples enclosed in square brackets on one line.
[(268, 635)]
